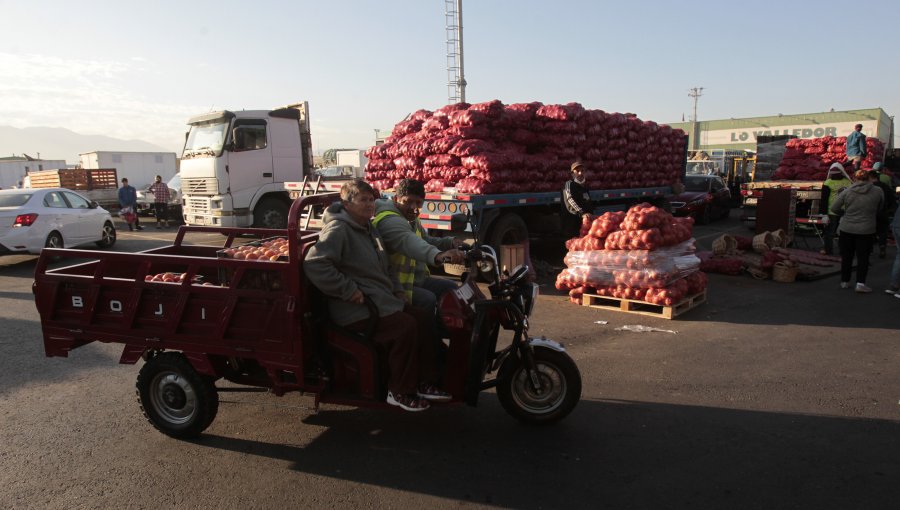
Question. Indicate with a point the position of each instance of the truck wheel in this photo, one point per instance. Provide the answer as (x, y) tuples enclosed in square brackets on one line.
[(270, 213), (560, 381), (176, 400), (108, 236), (508, 229)]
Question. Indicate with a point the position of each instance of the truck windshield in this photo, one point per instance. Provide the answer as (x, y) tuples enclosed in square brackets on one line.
[(205, 140)]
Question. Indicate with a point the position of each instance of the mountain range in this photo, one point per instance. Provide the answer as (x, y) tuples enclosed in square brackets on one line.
[(62, 143)]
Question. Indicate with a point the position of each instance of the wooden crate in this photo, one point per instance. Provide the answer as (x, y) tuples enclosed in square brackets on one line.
[(78, 179), (643, 307)]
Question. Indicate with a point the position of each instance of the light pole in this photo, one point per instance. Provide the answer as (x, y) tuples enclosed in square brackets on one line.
[(695, 93)]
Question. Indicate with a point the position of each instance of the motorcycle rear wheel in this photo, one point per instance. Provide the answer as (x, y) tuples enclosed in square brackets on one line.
[(560, 381)]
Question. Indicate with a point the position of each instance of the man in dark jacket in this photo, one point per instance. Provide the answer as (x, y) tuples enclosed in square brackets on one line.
[(128, 199), (883, 219), (576, 201), (348, 263)]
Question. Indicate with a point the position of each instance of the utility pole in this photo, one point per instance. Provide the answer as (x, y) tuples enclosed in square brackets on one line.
[(695, 94), (456, 81)]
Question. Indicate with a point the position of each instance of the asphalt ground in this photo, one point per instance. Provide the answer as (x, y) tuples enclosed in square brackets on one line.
[(770, 395)]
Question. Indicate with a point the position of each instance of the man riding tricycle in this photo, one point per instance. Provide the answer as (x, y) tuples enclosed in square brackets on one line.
[(257, 321)]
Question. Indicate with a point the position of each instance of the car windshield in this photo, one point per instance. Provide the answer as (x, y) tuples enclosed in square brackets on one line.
[(205, 139), (175, 182), (696, 184), (14, 200)]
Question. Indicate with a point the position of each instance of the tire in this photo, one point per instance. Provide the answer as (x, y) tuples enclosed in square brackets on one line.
[(174, 398), (556, 370), (54, 240), (706, 216), (108, 236), (270, 213), (508, 229)]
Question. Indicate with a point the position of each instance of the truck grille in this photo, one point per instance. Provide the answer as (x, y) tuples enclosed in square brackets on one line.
[(196, 205), (200, 186)]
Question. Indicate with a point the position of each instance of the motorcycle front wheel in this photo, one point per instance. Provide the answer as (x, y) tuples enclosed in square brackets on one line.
[(560, 389)]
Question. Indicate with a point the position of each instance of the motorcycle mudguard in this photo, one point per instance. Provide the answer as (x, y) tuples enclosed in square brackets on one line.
[(546, 342)]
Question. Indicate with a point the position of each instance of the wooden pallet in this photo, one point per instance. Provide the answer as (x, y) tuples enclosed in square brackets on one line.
[(643, 307)]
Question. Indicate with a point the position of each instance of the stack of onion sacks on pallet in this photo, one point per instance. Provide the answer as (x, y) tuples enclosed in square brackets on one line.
[(645, 254)]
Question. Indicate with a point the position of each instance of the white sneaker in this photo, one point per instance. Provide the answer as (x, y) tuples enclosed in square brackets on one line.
[(891, 291), (845, 285), (861, 287)]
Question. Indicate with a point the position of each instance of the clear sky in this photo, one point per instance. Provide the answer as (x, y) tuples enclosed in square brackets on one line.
[(140, 69)]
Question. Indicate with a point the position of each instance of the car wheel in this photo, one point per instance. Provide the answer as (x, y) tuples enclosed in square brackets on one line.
[(54, 240), (108, 236), (705, 216)]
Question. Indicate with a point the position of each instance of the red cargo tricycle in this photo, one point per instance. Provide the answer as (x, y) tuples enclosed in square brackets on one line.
[(197, 314)]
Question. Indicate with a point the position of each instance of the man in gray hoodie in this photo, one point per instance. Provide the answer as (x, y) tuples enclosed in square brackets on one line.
[(348, 263), (857, 205)]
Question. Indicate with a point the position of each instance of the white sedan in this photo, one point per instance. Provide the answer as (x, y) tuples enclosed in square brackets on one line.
[(32, 219)]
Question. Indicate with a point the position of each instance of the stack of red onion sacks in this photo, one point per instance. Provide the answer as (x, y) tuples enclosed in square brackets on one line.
[(527, 147), (809, 159), (645, 254)]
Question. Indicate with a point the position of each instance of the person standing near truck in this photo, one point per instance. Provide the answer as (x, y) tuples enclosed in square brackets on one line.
[(128, 204), (834, 185), (857, 207), (856, 146), (576, 201), (411, 249), (883, 219), (348, 263), (161, 198)]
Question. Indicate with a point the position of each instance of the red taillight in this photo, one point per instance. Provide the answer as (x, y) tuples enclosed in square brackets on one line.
[(25, 220)]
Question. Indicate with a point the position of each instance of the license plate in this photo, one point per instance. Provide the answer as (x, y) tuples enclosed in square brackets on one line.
[(200, 220)]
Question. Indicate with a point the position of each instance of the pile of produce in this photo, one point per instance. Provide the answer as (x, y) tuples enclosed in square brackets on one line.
[(495, 148), (645, 254), (809, 159), (272, 250), (170, 277)]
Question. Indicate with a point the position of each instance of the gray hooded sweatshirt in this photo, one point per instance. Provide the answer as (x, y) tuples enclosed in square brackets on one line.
[(858, 206), (349, 256)]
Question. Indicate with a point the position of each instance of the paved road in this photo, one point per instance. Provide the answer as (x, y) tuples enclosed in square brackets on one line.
[(769, 396)]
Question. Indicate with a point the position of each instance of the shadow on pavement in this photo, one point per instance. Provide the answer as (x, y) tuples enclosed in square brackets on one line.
[(607, 454)]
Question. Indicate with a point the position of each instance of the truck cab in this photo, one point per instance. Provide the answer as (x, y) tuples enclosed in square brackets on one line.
[(235, 163)]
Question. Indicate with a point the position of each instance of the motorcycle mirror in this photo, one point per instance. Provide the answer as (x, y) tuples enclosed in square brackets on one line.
[(459, 222)]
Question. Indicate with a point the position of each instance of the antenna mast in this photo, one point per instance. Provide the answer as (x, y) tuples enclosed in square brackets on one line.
[(456, 81)]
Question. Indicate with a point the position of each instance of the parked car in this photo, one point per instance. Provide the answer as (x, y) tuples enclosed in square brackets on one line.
[(705, 197), (145, 200), (31, 219)]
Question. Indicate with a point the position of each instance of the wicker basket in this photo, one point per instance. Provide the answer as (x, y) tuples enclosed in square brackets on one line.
[(724, 245), (763, 242), (780, 238), (784, 272)]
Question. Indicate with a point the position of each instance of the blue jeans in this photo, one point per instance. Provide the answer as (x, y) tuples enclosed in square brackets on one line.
[(427, 298)]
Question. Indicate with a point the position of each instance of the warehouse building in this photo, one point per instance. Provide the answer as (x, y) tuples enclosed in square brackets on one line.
[(740, 134)]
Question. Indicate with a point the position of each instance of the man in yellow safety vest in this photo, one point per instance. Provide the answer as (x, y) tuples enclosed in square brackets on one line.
[(411, 249)]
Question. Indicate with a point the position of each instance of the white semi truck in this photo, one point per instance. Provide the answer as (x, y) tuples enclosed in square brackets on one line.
[(235, 164)]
